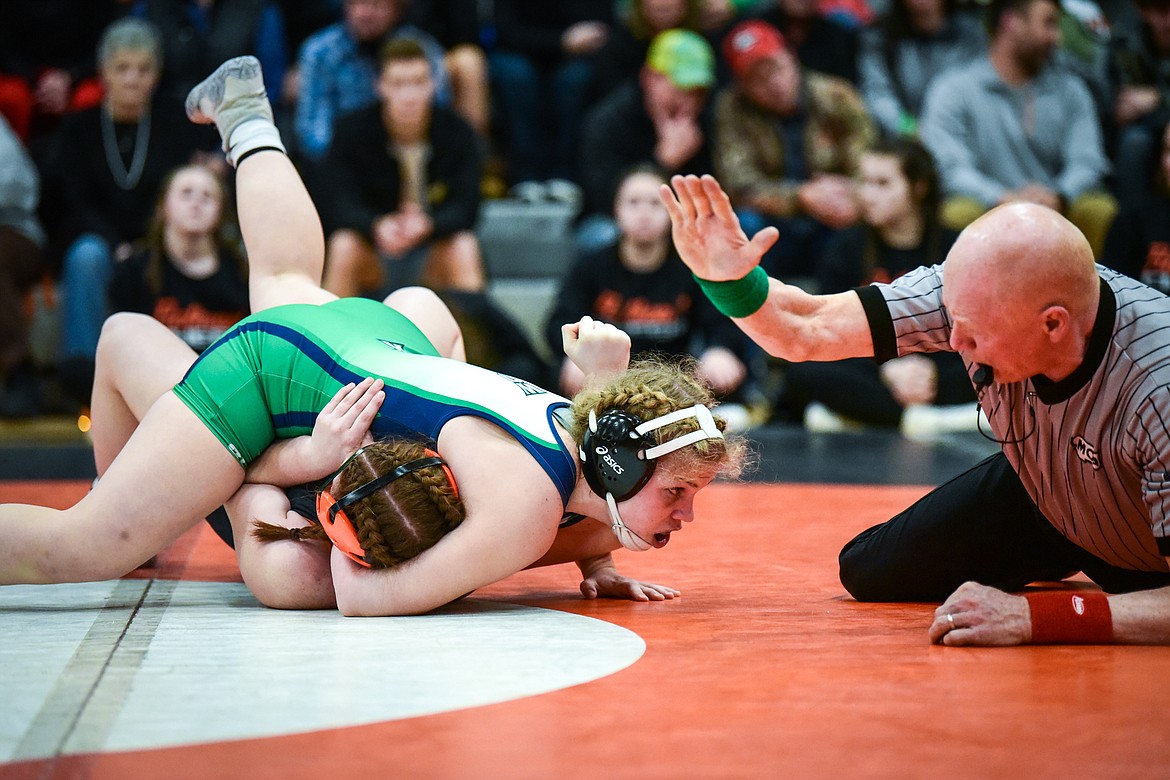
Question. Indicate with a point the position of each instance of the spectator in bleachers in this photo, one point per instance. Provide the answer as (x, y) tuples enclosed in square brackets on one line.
[(899, 231), (456, 24), (1139, 241), (715, 16), (856, 14), (543, 80), (338, 69), (1085, 30), (624, 52), (109, 163), (900, 54), (46, 60), (821, 44), (301, 20), (197, 35), (1140, 80), (402, 188), (641, 286), (304, 18), (22, 263), (189, 273), (1011, 126), (662, 118), (788, 141)]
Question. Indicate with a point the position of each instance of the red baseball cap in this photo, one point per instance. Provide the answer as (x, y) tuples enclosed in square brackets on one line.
[(750, 42)]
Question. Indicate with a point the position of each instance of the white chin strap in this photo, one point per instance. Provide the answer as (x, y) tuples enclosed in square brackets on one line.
[(629, 539), (707, 430)]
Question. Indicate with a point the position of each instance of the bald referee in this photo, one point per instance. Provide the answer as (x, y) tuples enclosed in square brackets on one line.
[(1071, 364)]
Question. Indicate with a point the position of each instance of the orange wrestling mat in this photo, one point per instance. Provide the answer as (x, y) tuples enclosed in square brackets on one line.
[(763, 669)]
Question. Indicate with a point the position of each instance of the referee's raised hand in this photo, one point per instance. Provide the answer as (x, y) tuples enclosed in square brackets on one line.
[(707, 233)]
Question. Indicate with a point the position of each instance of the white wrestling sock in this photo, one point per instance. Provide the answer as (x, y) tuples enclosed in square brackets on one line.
[(233, 97), (252, 135)]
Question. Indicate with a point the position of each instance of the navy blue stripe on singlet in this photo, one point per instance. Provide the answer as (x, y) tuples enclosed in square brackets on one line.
[(294, 420), (406, 405), (292, 336)]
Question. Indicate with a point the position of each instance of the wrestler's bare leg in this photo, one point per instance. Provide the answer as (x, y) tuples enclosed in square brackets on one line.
[(138, 360), (430, 315), (281, 228), (172, 472)]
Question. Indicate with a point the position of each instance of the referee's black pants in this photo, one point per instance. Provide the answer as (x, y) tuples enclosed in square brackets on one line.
[(980, 526)]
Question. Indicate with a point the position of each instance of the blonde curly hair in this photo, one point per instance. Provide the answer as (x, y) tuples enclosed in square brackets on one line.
[(655, 385)]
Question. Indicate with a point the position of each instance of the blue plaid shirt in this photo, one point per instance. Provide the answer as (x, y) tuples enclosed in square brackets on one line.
[(337, 77)]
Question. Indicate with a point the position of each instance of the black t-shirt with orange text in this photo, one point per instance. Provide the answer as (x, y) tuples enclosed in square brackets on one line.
[(197, 310)]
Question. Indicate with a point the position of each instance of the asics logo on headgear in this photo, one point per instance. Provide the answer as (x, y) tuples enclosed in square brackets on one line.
[(601, 450), (613, 464)]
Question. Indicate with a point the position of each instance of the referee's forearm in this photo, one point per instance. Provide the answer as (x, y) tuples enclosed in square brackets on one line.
[(1142, 617)]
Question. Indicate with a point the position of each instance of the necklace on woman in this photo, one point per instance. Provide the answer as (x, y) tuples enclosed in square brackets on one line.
[(125, 178)]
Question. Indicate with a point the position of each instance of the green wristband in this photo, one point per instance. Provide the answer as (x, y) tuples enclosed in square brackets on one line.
[(738, 298)]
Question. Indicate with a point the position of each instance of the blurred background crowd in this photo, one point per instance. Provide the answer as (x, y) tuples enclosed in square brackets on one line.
[(508, 154)]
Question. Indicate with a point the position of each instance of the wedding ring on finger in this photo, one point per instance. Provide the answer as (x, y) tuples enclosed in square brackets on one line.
[(951, 620)]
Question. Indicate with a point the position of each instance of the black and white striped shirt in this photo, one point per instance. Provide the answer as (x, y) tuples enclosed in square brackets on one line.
[(1093, 450)]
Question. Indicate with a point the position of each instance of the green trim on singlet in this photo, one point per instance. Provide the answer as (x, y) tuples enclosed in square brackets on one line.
[(270, 375), (292, 376)]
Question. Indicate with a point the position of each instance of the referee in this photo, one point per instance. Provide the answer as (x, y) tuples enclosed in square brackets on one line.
[(1071, 364)]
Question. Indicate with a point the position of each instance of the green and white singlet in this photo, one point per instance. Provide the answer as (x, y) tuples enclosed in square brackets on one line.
[(269, 376)]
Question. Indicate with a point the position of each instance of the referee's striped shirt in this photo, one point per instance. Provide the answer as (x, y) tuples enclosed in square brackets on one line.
[(1093, 450)]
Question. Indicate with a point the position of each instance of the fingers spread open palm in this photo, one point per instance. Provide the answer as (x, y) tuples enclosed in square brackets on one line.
[(706, 231)]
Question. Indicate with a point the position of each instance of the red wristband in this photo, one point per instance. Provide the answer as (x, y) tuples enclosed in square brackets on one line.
[(1061, 617)]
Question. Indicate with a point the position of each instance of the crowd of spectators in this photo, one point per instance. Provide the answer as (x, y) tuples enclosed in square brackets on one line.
[(403, 115)]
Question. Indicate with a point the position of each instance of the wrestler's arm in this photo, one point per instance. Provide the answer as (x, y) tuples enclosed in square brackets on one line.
[(588, 544), (597, 348), (601, 579), (340, 428), (512, 513), (296, 575), (791, 324)]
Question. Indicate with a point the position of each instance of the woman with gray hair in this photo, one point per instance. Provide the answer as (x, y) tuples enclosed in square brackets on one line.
[(109, 163)]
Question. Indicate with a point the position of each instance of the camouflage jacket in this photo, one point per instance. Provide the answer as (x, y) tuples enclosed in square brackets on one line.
[(749, 148)]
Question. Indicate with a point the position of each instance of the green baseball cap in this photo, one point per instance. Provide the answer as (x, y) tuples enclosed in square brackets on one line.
[(684, 57)]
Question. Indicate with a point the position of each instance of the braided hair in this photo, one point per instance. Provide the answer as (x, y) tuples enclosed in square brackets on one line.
[(396, 523), (655, 385)]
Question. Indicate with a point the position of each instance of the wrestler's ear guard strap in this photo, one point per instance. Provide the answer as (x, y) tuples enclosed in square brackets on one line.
[(340, 529)]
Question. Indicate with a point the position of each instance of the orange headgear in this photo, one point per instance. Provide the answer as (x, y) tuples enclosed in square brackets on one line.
[(331, 513)]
